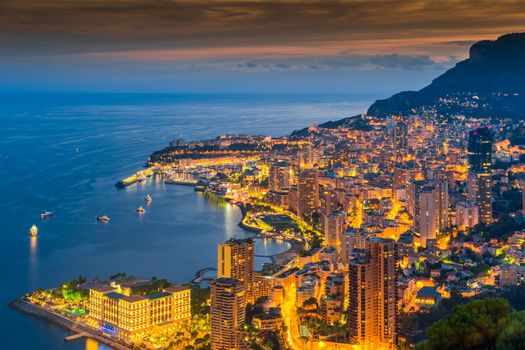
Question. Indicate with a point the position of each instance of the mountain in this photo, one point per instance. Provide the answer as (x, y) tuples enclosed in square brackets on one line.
[(491, 82)]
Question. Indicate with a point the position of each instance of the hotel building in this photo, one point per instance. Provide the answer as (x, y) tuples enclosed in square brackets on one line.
[(134, 316)]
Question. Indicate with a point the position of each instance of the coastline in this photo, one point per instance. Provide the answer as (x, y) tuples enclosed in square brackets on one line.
[(32, 310), (280, 258), (82, 330)]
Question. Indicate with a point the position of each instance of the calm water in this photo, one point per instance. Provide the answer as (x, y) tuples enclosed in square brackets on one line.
[(65, 152)]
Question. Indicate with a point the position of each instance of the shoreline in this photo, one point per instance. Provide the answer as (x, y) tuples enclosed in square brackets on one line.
[(69, 324), (279, 258), (29, 309)]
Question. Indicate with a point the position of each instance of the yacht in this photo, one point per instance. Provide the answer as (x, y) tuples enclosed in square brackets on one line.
[(103, 218), (141, 210), (148, 198), (47, 214), (33, 231)]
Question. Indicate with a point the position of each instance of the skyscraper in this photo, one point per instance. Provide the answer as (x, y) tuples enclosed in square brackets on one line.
[(480, 150), (480, 171), (308, 192), (236, 260), (227, 313), (430, 203), (373, 296), (279, 178), (334, 226), (400, 139), (427, 221)]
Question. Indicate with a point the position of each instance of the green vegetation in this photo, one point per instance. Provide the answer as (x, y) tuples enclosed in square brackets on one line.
[(200, 299), (481, 324), (501, 229), (156, 286), (71, 290)]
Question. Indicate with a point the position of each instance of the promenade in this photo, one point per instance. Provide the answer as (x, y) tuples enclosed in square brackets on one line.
[(79, 330)]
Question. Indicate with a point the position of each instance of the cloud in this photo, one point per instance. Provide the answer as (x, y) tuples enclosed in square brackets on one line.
[(343, 62), (38, 27)]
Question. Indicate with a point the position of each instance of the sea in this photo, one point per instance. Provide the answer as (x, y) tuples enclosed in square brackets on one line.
[(65, 152)]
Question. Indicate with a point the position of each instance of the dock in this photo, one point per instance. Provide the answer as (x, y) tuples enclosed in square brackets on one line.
[(75, 336)]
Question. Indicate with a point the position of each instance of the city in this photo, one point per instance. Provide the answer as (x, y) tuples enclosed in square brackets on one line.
[(262, 174), (388, 217)]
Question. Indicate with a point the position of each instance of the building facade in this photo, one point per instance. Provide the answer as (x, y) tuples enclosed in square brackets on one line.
[(373, 296), (227, 313), (131, 316), (236, 260)]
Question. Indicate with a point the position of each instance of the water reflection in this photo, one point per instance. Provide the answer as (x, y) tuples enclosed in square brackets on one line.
[(32, 248), (94, 345)]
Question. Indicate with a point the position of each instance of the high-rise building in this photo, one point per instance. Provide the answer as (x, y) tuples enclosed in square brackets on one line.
[(480, 171), (430, 207), (480, 150), (405, 244), (413, 200), (427, 224), (279, 178), (373, 296), (308, 193), (400, 139), (334, 226), (227, 313), (360, 303), (329, 201), (441, 197), (236, 260), (467, 215), (484, 197), (472, 188)]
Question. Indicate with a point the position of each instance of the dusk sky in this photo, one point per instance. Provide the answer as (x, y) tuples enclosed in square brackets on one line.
[(241, 46)]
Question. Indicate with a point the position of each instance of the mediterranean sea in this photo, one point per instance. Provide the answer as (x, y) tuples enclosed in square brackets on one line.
[(64, 153)]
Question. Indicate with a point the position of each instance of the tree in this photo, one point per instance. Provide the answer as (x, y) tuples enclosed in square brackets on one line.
[(513, 335), (475, 325)]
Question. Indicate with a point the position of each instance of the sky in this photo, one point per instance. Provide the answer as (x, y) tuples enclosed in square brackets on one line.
[(314, 46)]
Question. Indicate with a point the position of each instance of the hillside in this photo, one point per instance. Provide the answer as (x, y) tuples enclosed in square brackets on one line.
[(491, 82)]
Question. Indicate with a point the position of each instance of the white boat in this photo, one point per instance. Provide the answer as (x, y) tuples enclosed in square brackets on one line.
[(103, 218), (141, 210), (141, 178), (33, 231), (47, 214), (148, 198)]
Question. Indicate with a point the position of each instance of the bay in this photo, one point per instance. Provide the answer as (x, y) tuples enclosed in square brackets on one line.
[(64, 152)]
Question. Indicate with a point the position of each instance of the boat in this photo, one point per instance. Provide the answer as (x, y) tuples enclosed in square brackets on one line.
[(148, 198), (47, 214), (103, 218), (141, 178), (141, 210), (33, 231)]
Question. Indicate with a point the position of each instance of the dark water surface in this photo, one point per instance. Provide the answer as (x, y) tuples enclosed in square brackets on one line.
[(65, 153)]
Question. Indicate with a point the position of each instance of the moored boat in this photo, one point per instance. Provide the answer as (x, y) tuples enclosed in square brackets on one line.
[(103, 218), (33, 231), (47, 214)]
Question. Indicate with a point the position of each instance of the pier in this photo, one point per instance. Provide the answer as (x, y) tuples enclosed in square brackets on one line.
[(75, 336), (199, 275)]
